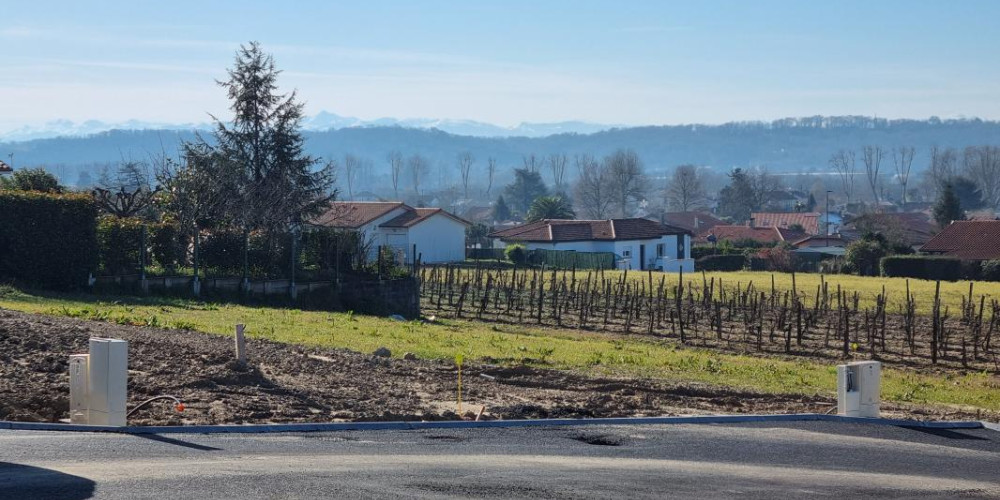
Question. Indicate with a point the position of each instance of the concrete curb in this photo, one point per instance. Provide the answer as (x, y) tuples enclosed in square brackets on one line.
[(371, 426)]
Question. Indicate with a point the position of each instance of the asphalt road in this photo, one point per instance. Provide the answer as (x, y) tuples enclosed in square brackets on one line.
[(759, 460)]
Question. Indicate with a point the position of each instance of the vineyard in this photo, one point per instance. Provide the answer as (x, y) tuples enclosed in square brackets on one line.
[(826, 320)]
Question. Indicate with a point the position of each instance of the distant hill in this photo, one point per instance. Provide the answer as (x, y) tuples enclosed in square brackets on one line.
[(789, 145), (320, 122)]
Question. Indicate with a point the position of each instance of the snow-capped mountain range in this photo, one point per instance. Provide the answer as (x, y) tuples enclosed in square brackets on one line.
[(323, 120)]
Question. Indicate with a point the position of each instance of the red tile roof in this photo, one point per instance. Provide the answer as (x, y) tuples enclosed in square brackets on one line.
[(582, 230), (915, 228), (414, 216), (833, 240), (967, 240), (695, 222), (767, 235), (354, 214), (785, 220)]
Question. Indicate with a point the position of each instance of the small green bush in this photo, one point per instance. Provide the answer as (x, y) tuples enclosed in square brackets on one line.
[(863, 256), (517, 254), (990, 270)]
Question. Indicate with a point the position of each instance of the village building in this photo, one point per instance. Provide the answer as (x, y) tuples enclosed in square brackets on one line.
[(434, 234), (967, 240), (737, 234), (639, 243), (806, 222)]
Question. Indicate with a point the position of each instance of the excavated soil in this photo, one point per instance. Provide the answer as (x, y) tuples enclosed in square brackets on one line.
[(289, 383)]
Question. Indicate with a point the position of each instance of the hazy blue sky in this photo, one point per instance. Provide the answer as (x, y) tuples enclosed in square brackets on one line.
[(508, 61)]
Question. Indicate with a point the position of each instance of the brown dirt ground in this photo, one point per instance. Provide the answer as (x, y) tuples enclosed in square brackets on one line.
[(290, 383)]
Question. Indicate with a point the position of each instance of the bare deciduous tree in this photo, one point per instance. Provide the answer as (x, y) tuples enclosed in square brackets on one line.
[(418, 169), (843, 163), (465, 161), (627, 178), (395, 160), (352, 167), (902, 160), (593, 192), (128, 191), (685, 191), (872, 156), (943, 167), (982, 166), (762, 185), (532, 163), (491, 171), (557, 165)]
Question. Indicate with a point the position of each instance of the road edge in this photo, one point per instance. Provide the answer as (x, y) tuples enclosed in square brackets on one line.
[(461, 424)]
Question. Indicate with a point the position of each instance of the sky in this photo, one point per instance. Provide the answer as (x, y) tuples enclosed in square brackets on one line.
[(507, 62)]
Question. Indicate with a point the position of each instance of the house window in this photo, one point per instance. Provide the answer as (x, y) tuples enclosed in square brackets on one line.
[(680, 248), (661, 250), (627, 253)]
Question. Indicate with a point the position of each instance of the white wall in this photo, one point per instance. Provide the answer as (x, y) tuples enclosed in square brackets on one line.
[(439, 238), (670, 261), (376, 235)]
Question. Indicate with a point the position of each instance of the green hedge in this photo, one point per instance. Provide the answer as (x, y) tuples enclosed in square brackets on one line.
[(568, 259), (701, 251), (166, 245), (921, 267), (734, 262), (47, 240), (118, 242), (485, 253)]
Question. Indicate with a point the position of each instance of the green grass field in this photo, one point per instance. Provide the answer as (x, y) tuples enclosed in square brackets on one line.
[(505, 344), (806, 283)]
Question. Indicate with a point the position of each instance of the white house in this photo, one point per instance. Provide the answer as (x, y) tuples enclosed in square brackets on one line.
[(639, 243), (438, 235)]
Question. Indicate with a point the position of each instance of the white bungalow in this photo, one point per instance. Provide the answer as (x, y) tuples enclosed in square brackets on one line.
[(639, 243), (438, 235)]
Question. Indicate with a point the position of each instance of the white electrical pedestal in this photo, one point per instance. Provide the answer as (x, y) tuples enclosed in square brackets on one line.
[(79, 388), (858, 386), (98, 382)]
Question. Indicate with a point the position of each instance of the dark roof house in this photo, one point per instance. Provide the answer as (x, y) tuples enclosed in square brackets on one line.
[(967, 240), (355, 214), (912, 228), (559, 230), (763, 235), (809, 221)]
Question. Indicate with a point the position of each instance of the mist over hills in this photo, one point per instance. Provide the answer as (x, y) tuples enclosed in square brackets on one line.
[(322, 121), (788, 145)]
